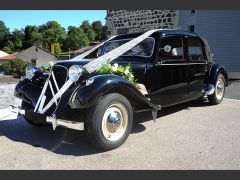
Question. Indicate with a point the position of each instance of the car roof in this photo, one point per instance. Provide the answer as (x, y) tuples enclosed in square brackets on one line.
[(160, 31)]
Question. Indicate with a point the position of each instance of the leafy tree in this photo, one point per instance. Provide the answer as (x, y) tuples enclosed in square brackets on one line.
[(57, 48), (7, 49), (97, 27), (91, 35), (4, 34), (8, 46), (103, 35), (17, 38), (32, 36), (53, 32), (76, 38), (85, 26)]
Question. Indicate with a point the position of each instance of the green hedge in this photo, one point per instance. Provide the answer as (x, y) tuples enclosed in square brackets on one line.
[(15, 67)]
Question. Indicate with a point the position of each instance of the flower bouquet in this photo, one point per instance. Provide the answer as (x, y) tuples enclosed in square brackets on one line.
[(124, 72)]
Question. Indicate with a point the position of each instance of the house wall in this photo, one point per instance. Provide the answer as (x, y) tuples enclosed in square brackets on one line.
[(124, 21), (34, 53), (222, 30)]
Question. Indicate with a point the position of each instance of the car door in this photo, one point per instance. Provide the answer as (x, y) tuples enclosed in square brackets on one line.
[(167, 76), (198, 66)]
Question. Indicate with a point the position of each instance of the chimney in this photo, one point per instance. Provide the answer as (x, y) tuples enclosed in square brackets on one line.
[(52, 48)]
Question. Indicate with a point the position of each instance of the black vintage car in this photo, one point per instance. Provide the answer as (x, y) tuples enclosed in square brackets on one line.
[(175, 66)]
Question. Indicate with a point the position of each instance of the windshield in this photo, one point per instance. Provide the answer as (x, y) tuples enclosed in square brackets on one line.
[(143, 49)]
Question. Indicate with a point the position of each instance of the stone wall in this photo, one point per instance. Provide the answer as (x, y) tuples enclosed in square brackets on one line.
[(124, 21)]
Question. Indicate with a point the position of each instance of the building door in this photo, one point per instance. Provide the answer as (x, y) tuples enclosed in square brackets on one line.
[(34, 62)]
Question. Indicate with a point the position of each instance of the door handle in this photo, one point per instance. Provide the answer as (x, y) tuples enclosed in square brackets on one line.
[(158, 63)]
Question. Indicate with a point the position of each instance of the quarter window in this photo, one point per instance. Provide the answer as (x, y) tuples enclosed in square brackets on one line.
[(195, 50), (174, 50)]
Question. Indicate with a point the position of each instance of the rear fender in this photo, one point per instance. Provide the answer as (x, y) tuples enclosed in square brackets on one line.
[(215, 70)]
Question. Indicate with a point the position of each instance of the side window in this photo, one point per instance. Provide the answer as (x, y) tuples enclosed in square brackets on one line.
[(171, 48), (195, 50)]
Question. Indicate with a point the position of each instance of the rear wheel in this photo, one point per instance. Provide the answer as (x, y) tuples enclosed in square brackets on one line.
[(110, 121), (219, 92), (30, 116)]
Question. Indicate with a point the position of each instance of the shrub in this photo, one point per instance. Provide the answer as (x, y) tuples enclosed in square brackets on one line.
[(15, 67), (6, 67)]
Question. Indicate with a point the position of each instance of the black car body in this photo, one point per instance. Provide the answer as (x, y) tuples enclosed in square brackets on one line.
[(176, 67)]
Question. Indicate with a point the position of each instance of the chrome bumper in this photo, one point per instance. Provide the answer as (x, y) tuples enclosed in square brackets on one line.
[(17, 110), (64, 123)]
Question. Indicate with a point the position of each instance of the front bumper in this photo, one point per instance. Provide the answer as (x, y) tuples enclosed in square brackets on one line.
[(64, 123)]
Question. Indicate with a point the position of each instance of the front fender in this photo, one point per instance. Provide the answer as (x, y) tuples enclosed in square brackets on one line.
[(215, 70), (27, 91), (87, 95)]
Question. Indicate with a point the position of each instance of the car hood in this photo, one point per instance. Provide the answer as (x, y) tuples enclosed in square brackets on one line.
[(69, 63)]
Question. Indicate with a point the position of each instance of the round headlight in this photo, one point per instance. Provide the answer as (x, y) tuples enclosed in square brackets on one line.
[(30, 71), (75, 71)]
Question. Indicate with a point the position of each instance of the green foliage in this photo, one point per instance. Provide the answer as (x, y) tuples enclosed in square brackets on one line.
[(57, 48), (9, 46), (6, 66), (99, 30), (85, 26), (15, 67), (51, 32), (122, 71), (17, 38), (91, 35), (7, 49), (32, 36), (46, 68), (4, 34), (76, 38)]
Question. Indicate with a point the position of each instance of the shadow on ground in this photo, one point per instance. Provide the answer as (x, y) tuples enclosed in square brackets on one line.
[(70, 142)]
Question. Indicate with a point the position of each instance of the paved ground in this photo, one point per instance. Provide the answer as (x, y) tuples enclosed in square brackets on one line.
[(233, 92), (190, 136)]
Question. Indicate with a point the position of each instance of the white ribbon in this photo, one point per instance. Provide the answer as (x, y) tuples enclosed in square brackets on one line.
[(90, 67)]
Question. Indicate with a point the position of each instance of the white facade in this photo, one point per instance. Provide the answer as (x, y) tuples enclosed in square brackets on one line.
[(222, 30)]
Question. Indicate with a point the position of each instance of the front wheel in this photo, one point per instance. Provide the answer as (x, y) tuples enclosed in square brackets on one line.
[(110, 121), (217, 96)]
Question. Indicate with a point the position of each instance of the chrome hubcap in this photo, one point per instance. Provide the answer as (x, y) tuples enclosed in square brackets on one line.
[(220, 88), (115, 121)]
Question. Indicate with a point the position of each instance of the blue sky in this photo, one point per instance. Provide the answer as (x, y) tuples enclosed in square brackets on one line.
[(17, 19)]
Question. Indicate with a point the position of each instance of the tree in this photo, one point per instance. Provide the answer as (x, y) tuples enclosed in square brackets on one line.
[(76, 38), (97, 27), (8, 46), (57, 48), (53, 32), (17, 39), (91, 35), (85, 26), (32, 36), (7, 49), (4, 34)]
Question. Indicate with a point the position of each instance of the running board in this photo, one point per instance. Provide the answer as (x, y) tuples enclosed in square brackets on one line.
[(64, 123)]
